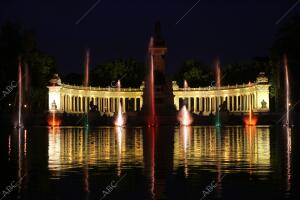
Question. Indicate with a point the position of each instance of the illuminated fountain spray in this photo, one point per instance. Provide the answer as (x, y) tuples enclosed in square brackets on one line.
[(185, 84), (119, 85), (86, 82), (152, 117), (251, 120), (19, 125), (287, 92), (184, 116), (218, 74), (86, 68), (218, 85), (119, 121)]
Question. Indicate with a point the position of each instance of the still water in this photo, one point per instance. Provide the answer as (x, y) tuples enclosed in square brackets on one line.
[(148, 163)]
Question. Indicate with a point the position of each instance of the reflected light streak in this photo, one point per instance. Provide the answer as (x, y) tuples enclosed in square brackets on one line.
[(239, 148), (119, 141), (25, 142), (153, 162), (219, 161), (86, 164), (288, 153), (185, 132), (19, 160), (9, 146), (251, 132)]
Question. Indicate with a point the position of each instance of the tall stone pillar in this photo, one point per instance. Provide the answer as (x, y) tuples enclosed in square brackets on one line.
[(124, 104), (233, 103), (141, 103)]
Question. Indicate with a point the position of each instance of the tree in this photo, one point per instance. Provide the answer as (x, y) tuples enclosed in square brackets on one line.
[(244, 72), (130, 71), (17, 44), (287, 42), (195, 73)]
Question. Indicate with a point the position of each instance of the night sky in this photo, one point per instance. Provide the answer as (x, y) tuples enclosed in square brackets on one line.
[(232, 30)]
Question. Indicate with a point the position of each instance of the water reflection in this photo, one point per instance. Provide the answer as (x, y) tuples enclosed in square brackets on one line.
[(17, 153), (231, 149), (155, 155), (288, 134), (185, 135), (80, 147)]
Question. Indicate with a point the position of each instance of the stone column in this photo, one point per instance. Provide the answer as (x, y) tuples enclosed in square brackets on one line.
[(104, 104), (217, 102), (227, 102), (124, 104), (66, 99), (113, 104), (209, 104), (80, 103), (141, 103), (98, 103), (75, 104), (241, 102), (245, 103), (134, 103), (109, 105), (69, 103), (255, 101), (86, 104), (236, 103), (211, 100), (201, 104), (249, 103)]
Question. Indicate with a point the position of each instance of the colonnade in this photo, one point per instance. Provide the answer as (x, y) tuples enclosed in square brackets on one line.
[(205, 100), (81, 104), (234, 103)]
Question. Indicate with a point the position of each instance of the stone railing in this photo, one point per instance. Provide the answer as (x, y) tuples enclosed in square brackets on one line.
[(111, 89), (216, 88)]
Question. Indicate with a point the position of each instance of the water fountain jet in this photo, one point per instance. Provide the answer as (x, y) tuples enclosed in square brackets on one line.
[(251, 120), (287, 92), (120, 120), (152, 117), (184, 116), (86, 83), (218, 85), (19, 125)]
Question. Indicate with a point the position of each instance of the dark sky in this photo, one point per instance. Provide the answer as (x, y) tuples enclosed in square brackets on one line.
[(234, 30)]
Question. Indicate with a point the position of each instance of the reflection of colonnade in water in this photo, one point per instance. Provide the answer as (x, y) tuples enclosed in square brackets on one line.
[(226, 150), (158, 159), (71, 148), (208, 146), (74, 147)]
